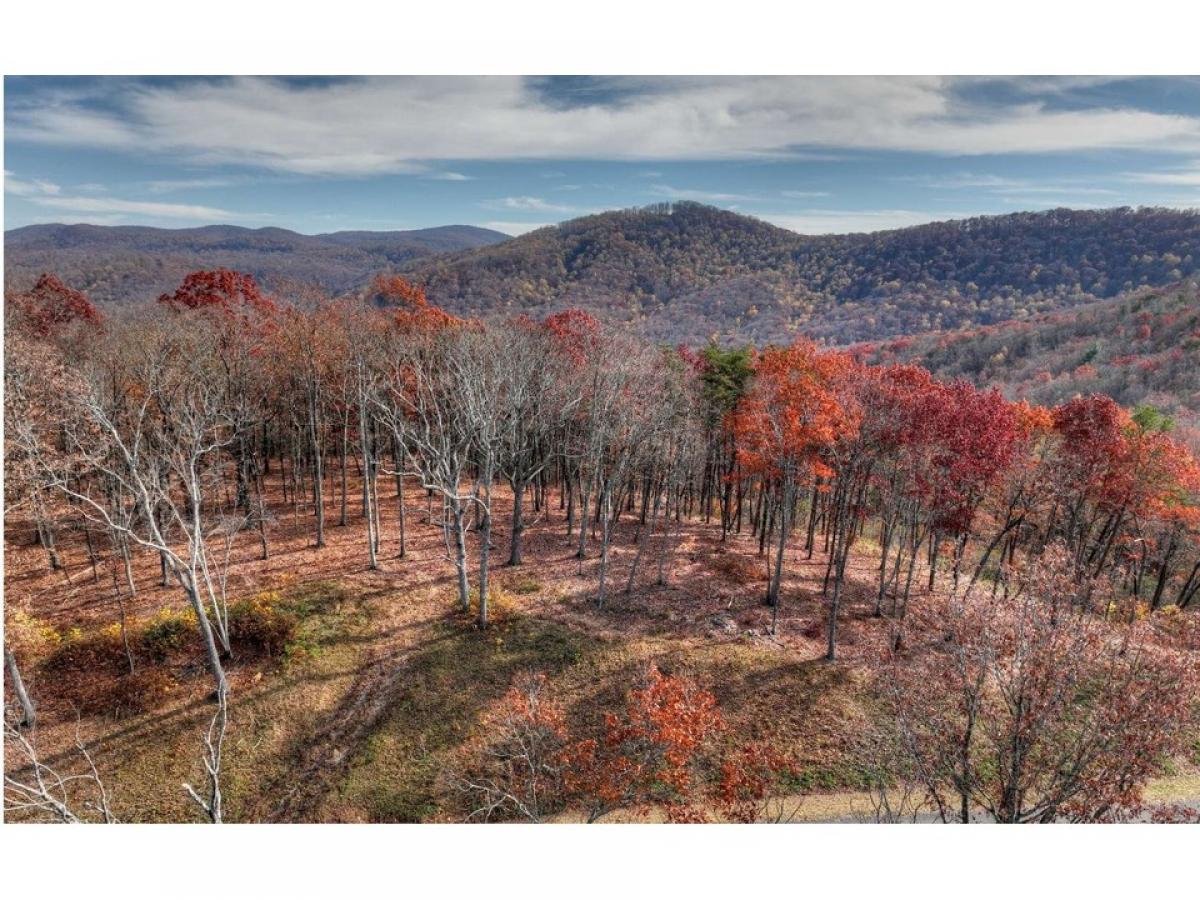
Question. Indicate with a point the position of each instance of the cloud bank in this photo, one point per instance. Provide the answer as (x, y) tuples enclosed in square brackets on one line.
[(398, 125)]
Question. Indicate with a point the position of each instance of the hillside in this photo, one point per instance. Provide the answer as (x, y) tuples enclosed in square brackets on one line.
[(116, 264), (1142, 347), (678, 272), (687, 271)]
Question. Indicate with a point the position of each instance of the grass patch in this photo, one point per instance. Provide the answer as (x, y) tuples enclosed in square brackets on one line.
[(523, 585), (401, 773)]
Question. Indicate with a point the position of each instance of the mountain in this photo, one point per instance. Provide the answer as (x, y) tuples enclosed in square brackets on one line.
[(114, 264), (677, 272), (685, 272), (1139, 348)]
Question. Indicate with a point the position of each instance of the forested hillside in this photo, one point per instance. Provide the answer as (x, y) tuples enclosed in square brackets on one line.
[(678, 272), (687, 272), (129, 263), (1140, 348), (348, 561)]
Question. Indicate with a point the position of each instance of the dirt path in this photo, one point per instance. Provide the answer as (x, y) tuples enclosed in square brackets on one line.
[(330, 749)]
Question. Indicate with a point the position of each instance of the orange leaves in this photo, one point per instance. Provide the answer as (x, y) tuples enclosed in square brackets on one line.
[(220, 289), (747, 778), (526, 706), (793, 410), (414, 312), (51, 306), (576, 333), (648, 753)]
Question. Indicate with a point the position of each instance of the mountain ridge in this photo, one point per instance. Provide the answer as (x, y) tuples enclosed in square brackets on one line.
[(115, 263), (690, 272), (681, 272)]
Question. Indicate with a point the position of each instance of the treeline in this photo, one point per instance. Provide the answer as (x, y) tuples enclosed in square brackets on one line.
[(134, 264), (685, 272), (158, 429)]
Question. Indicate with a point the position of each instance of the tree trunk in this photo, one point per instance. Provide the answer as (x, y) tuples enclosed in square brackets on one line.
[(314, 446), (460, 554), (518, 521), (28, 708)]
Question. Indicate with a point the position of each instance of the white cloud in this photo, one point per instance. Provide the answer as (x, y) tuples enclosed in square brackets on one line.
[(191, 184), (698, 195), (531, 204), (802, 195), (36, 188), (49, 195), (450, 176), (840, 221), (514, 228), (377, 125), (1188, 177)]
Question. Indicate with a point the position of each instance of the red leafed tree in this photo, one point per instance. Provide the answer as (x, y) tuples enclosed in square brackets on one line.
[(1015, 710), (52, 305), (748, 777), (789, 417), (576, 333), (414, 312), (647, 755), (220, 289)]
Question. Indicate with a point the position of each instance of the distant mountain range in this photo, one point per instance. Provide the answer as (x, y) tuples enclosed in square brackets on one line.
[(127, 263), (678, 272)]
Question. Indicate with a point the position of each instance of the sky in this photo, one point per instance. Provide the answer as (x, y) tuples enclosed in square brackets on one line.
[(813, 154)]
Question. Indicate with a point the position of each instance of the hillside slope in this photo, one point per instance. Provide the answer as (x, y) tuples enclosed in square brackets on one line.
[(129, 263), (1142, 347), (678, 272), (689, 272)]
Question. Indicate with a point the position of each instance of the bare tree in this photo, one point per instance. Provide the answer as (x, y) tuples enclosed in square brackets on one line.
[(33, 787), (211, 800)]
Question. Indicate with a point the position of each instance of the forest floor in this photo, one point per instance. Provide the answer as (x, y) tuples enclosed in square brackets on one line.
[(383, 694)]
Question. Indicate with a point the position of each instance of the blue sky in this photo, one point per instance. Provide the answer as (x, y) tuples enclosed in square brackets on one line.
[(813, 154)]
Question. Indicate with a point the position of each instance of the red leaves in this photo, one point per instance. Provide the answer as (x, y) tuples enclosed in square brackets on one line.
[(1120, 466), (51, 306), (747, 777), (414, 312), (220, 289), (793, 410), (575, 332), (648, 754)]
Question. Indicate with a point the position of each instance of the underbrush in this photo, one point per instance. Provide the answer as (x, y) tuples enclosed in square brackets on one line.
[(737, 568), (115, 671), (522, 585)]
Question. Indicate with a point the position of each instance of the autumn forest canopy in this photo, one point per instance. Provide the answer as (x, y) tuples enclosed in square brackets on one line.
[(383, 562)]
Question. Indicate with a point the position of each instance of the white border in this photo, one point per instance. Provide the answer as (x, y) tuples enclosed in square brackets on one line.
[(619, 36)]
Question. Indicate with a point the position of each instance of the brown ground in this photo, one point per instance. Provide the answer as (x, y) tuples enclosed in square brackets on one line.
[(390, 692)]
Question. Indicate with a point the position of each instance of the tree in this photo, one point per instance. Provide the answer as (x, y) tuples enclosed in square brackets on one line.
[(34, 787), (153, 440), (1024, 711), (522, 774), (788, 417), (649, 753)]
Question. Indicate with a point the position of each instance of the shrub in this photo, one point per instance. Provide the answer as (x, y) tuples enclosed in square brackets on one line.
[(738, 568), (78, 651), (263, 624), (166, 631)]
